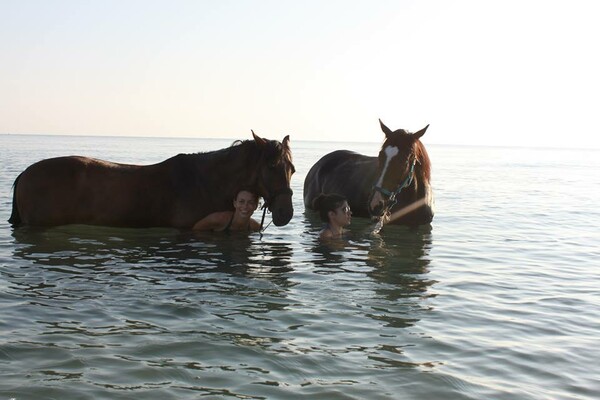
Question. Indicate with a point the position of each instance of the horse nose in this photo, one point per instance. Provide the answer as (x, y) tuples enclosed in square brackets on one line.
[(376, 205), (282, 208), (282, 215), (377, 210)]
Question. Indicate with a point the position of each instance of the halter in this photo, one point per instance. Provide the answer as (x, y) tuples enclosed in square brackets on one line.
[(269, 200), (392, 197), (405, 183)]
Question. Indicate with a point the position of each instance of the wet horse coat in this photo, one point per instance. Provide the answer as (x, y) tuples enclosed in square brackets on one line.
[(397, 182), (174, 193)]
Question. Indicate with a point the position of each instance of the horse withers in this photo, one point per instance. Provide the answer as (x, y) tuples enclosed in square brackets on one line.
[(174, 193), (396, 184)]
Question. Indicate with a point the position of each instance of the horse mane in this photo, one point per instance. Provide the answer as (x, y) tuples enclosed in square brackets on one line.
[(274, 151), (423, 159)]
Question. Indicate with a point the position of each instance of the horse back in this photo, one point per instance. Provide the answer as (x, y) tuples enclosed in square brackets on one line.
[(343, 172), (75, 189)]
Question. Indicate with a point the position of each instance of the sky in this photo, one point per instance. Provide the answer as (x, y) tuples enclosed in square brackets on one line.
[(498, 73)]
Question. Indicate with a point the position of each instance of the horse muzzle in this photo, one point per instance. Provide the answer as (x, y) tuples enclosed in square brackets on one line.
[(281, 208), (377, 204)]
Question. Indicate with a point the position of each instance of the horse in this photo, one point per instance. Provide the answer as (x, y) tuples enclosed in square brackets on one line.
[(175, 193), (394, 187)]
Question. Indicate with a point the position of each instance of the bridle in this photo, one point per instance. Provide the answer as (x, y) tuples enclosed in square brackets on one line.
[(391, 195), (267, 206), (269, 198)]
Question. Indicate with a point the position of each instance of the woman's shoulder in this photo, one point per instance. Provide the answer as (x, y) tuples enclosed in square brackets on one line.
[(325, 233)]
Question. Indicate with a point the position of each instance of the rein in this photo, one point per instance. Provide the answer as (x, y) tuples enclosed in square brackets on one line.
[(262, 221)]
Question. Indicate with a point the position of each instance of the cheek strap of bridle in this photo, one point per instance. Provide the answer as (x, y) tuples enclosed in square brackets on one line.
[(405, 183)]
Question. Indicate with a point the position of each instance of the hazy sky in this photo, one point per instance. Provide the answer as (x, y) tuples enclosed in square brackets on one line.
[(510, 72)]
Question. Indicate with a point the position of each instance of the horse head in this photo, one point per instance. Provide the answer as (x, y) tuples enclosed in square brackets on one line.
[(400, 153), (274, 174)]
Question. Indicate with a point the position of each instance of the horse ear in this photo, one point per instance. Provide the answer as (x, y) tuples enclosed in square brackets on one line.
[(260, 141), (286, 141), (385, 129), (417, 135)]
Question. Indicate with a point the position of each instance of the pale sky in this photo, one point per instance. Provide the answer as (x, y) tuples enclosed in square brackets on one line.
[(510, 72)]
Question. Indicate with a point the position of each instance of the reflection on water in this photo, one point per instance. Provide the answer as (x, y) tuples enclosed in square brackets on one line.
[(255, 314), (396, 260), (125, 257)]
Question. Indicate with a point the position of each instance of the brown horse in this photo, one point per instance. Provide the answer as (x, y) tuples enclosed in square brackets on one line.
[(174, 193), (396, 183)]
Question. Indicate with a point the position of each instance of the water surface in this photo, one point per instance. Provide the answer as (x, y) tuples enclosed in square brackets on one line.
[(498, 298)]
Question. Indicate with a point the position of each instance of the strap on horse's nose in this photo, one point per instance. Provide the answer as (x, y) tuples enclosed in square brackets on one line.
[(407, 181), (383, 191)]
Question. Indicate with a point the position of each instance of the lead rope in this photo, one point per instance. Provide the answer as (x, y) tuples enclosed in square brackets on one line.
[(262, 221)]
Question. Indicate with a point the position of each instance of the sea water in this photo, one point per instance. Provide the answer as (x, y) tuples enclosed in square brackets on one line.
[(498, 299)]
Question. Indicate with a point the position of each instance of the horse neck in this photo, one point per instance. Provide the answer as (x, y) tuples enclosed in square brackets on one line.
[(236, 165)]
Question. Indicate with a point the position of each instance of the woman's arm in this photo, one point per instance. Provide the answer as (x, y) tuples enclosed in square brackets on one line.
[(213, 222)]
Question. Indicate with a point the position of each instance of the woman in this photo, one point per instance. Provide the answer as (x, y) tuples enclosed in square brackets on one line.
[(335, 212), (245, 203)]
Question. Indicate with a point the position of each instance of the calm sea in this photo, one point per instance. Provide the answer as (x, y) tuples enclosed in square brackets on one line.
[(498, 299)]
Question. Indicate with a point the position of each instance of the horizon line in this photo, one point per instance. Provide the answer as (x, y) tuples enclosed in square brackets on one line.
[(298, 140)]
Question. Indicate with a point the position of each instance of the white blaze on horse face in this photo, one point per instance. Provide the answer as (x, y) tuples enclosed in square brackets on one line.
[(390, 152)]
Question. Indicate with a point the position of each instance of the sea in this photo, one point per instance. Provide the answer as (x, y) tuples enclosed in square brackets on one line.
[(499, 298)]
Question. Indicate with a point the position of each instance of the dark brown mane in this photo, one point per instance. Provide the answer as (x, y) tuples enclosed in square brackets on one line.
[(274, 152), (233, 150), (423, 160)]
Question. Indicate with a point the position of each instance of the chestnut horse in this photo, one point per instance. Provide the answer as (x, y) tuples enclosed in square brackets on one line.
[(174, 193), (396, 184)]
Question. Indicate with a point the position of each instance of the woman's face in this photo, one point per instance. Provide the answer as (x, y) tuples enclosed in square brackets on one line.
[(245, 204), (341, 216)]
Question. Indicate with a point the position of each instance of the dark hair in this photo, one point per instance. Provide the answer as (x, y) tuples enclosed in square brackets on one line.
[(327, 202), (248, 189)]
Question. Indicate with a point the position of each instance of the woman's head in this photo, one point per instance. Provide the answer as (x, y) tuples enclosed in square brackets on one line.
[(333, 206), (245, 201)]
